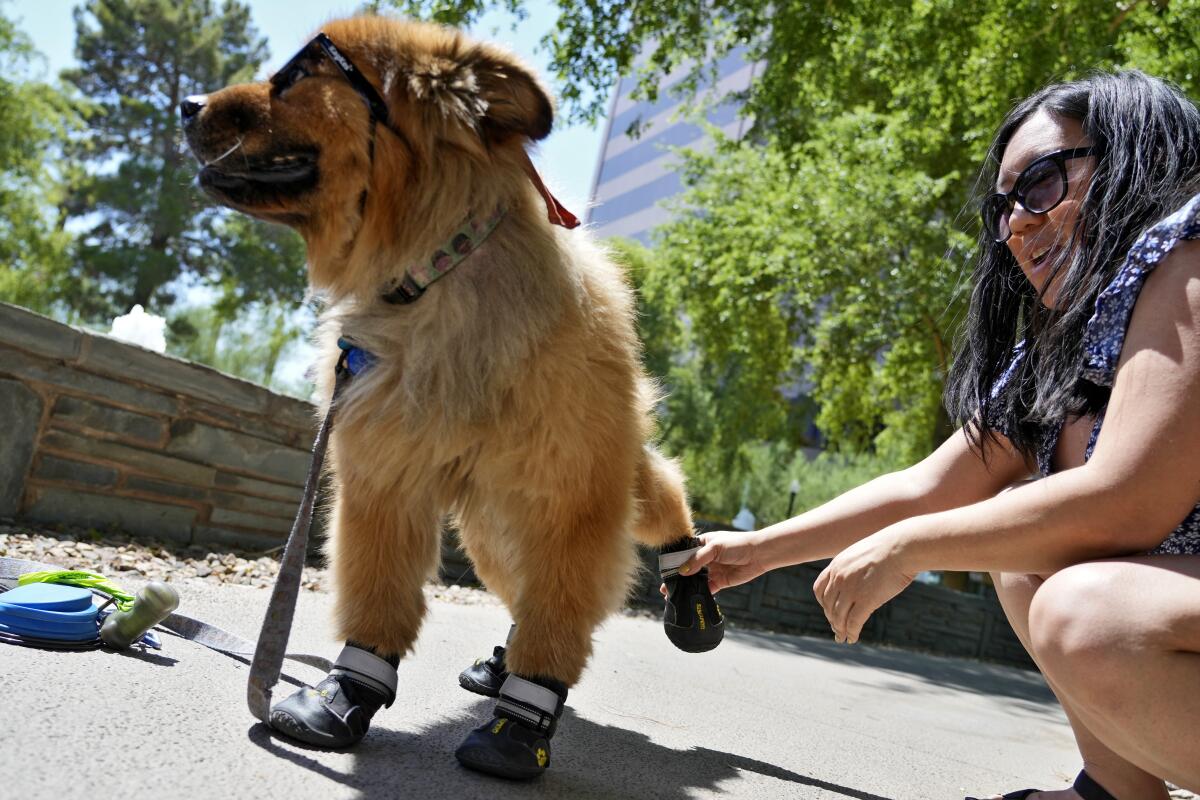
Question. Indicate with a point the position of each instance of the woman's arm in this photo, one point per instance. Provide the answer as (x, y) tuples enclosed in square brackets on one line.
[(952, 475), (1142, 480), (1143, 477)]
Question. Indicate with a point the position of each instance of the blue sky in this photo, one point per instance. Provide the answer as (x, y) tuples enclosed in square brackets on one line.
[(567, 159)]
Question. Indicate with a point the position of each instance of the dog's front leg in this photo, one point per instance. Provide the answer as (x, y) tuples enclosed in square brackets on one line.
[(381, 553), (381, 550)]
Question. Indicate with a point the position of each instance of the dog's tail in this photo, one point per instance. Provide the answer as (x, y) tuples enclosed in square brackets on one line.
[(663, 516)]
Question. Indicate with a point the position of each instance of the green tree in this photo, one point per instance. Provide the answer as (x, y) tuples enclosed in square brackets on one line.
[(697, 414), (34, 250), (822, 269), (147, 224)]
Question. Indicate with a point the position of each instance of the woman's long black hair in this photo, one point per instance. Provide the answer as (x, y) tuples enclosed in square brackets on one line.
[(1148, 135)]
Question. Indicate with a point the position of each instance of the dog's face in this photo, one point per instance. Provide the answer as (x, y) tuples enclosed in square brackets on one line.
[(306, 149)]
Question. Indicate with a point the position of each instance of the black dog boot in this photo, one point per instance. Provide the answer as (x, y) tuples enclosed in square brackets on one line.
[(487, 675), (516, 743), (692, 617), (338, 711)]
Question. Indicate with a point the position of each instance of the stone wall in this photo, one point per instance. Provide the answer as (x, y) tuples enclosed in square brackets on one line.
[(101, 433)]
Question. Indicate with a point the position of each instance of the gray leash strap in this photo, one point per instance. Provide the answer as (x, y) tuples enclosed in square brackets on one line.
[(223, 641), (277, 625)]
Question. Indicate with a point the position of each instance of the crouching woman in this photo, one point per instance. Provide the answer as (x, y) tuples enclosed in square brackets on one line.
[(1080, 366)]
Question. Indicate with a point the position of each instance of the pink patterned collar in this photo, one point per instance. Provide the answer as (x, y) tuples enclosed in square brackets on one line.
[(462, 243)]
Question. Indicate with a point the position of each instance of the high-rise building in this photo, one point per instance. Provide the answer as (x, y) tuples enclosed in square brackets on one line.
[(634, 174)]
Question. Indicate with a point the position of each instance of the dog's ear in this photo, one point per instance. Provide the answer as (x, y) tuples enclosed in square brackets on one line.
[(515, 102)]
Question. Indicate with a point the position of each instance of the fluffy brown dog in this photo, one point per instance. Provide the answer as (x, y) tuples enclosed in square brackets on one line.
[(509, 394)]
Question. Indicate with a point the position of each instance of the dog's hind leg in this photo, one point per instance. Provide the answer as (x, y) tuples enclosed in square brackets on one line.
[(691, 617), (381, 553), (479, 540), (573, 569)]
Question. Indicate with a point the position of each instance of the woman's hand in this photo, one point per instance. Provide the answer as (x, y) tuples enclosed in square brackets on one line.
[(732, 557), (859, 580)]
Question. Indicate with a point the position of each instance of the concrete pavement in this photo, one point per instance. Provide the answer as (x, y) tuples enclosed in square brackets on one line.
[(762, 716)]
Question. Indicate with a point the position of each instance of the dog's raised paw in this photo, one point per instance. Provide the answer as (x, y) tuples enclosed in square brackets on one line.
[(692, 619)]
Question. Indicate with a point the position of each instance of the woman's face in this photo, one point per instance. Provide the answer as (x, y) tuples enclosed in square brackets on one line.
[(1039, 241)]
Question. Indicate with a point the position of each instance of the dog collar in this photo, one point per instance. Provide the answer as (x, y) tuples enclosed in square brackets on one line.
[(461, 244)]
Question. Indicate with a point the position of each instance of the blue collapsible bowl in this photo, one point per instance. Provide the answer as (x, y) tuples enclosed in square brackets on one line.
[(49, 611)]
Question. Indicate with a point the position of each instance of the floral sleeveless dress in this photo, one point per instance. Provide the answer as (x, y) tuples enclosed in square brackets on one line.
[(1105, 335)]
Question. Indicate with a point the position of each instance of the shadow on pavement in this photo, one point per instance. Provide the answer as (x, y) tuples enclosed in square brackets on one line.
[(1024, 686), (149, 656), (590, 760)]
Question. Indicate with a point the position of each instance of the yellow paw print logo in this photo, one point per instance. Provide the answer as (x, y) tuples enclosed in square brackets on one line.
[(542, 756)]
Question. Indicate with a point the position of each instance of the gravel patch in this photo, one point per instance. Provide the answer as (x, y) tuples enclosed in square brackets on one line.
[(118, 556)]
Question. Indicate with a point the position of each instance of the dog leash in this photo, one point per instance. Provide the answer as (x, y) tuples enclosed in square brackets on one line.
[(277, 625)]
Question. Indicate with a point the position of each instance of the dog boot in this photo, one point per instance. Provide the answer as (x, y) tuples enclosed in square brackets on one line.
[(487, 675), (692, 617), (338, 711), (516, 743)]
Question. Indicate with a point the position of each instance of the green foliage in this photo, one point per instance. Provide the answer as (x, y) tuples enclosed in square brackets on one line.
[(264, 264), (656, 315), (33, 115), (944, 62), (763, 480), (815, 271), (147, 224), (828, 475), (448, 12)]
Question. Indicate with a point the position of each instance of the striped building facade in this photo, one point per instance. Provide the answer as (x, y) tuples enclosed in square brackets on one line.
[(634, 175)]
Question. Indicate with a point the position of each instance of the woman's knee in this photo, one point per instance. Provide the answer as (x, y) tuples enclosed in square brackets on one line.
[(1079, 629)]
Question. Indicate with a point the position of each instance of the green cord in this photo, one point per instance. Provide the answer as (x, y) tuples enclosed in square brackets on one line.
[(88, 580)]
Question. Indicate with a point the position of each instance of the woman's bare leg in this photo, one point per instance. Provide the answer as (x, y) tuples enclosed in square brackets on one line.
[(1120, 777), (1120, 639)]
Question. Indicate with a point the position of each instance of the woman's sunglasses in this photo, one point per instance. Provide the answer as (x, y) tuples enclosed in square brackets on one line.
[(1039, 188)]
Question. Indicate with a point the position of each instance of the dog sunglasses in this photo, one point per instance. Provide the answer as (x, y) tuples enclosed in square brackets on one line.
[(296, 68), (1039, 188)]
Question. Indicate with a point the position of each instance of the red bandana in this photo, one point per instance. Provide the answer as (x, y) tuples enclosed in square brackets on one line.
[(557, 214)]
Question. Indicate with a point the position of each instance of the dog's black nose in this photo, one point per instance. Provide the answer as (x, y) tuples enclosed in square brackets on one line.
[(191, 106)]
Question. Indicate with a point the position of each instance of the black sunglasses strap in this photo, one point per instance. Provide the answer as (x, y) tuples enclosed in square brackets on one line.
[(361, 85)]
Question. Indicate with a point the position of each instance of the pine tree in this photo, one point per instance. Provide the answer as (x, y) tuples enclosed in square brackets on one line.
[(146, 222)]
